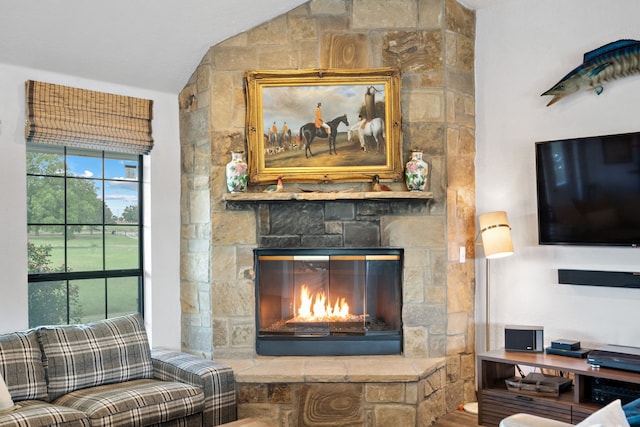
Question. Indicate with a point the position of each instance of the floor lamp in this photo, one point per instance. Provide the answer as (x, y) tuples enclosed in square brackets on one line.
[(495, 233)]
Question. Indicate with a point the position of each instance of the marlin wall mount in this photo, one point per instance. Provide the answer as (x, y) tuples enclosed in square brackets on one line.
[(609, 62)]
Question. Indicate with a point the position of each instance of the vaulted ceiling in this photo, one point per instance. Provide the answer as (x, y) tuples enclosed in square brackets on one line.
[(150, 44)]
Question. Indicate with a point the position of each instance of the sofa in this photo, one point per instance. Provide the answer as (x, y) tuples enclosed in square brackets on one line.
[(104, 373), (613, 414)]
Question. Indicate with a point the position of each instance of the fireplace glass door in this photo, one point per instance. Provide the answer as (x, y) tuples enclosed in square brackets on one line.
[(328, 301)]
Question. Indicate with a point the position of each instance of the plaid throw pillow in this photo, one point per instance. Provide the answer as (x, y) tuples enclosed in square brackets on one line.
[(21, 366), (102, 352)]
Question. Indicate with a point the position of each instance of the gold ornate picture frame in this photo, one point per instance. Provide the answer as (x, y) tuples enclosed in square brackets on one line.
[(285, 139)]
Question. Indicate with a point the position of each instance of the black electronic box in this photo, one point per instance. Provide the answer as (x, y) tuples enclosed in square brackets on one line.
[(615, 356), (605, 391)]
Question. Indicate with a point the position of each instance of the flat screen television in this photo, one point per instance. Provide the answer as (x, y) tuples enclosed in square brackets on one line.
[(588, 190)]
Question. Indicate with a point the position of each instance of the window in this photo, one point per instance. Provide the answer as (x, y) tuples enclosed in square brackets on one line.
[(85, 247), (84, 193)]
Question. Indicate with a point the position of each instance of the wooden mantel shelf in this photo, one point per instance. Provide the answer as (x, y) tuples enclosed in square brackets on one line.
[(327, 196)]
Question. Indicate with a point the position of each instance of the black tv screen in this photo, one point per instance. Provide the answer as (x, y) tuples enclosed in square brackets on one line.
[(588, 190)]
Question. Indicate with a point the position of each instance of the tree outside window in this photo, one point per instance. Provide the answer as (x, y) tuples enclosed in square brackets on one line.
[(84, 224)]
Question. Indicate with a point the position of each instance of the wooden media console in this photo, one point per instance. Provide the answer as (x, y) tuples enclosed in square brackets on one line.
[(495, 402)]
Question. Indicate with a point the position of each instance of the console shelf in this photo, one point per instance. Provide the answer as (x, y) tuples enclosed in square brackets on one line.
[(495, 402)]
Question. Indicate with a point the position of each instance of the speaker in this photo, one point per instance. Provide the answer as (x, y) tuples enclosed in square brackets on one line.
[(524, 338), (616, 279)]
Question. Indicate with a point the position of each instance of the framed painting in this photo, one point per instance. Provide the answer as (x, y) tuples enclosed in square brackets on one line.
[(324, 125)]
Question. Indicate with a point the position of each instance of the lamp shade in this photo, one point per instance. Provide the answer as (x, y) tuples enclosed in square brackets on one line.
[(496, 234)]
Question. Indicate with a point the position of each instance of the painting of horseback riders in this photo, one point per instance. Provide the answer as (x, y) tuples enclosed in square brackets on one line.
[(323, 125)]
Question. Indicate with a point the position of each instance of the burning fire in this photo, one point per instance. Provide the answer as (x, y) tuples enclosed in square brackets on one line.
[(317, 308)]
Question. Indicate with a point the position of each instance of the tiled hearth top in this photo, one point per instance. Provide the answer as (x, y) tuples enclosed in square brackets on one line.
[(342, 369)]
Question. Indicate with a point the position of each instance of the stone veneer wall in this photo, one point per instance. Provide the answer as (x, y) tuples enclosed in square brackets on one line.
[(341, 391), (431, 41)]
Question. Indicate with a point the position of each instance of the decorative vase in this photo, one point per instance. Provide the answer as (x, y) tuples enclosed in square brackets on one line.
[(236, 173), (416, 172)]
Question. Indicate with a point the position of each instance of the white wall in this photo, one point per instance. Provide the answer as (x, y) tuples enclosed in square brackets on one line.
[(522, 49), (162, 204)]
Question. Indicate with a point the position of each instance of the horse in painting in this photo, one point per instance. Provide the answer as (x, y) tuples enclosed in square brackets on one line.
[(285, 137), (310, 132), (373, 129)]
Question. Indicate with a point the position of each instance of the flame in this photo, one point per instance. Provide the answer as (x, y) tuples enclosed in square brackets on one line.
[(317, 308)]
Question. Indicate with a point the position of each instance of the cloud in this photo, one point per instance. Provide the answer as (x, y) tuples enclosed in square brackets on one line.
[(129, 198), (129, 185)]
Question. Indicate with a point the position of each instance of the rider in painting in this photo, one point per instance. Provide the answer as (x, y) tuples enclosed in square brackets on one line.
[(319, 122)]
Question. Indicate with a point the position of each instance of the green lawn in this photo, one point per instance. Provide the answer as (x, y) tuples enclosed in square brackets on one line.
[(122, 294), (85, 252)]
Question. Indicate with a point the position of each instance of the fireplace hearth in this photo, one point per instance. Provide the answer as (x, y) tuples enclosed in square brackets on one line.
[(324, 302)]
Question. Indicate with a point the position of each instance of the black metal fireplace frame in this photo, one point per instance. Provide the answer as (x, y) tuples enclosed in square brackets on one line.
[(376, 343)]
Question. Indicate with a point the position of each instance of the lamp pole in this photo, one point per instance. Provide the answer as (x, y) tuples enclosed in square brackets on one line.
[(487, 345)]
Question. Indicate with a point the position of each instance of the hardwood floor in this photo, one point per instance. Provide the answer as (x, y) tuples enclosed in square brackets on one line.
[(457, 419)]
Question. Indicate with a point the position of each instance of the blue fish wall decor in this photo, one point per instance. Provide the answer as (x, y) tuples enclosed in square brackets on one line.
[(609, 62)]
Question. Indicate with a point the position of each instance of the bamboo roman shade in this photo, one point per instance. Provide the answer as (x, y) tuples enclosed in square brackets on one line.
[(83, 118)]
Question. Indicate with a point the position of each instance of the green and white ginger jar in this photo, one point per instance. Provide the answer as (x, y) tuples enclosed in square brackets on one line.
[(416, 172), (236, 173)]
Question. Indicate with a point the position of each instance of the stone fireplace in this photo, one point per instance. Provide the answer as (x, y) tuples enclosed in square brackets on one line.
[(431, 41), (328, 302), (344, 227)]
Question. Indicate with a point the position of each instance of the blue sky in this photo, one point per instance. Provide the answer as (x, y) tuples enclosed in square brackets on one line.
[(119, 193)]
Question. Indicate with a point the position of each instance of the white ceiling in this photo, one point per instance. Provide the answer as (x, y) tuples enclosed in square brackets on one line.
[(150, 44)]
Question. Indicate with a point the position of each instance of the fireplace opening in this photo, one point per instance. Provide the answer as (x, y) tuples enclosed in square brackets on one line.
[(320, 302)]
